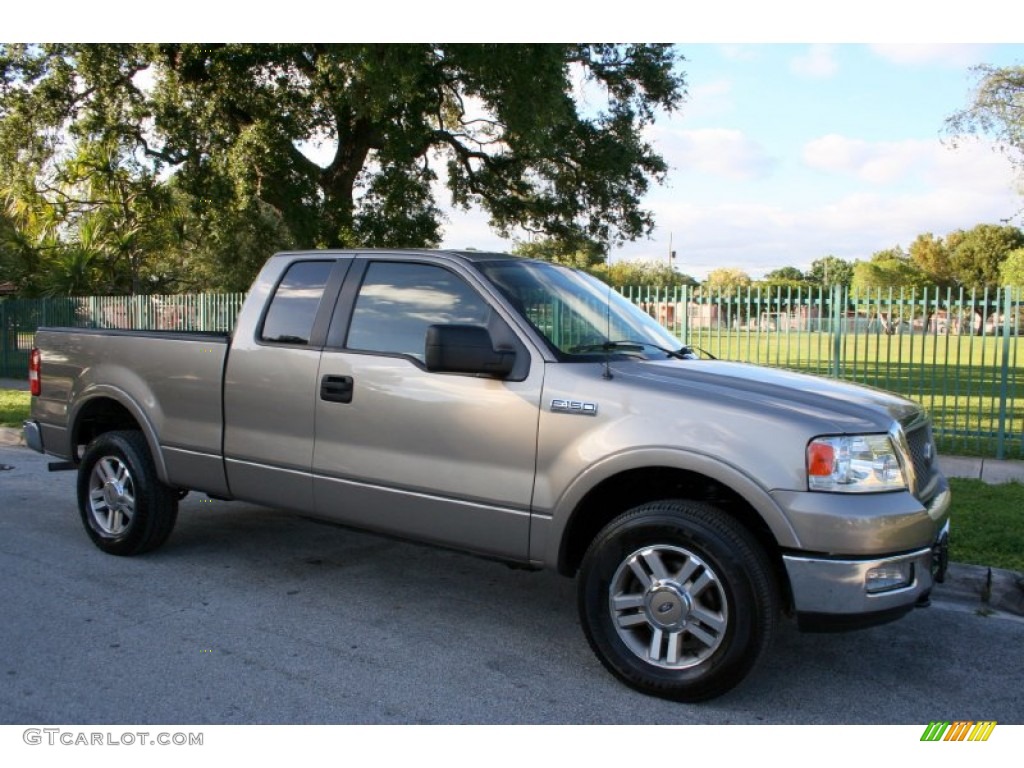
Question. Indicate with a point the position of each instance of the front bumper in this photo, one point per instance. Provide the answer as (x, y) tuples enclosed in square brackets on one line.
[(832, 593)]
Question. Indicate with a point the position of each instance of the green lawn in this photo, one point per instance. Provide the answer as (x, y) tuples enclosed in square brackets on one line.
[(13, 407), (987, 525)]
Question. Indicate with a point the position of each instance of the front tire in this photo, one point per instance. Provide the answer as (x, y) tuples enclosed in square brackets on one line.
[(677, 600), (125, 508)]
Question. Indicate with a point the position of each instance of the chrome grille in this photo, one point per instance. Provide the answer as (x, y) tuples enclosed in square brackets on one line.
[(922, 454)]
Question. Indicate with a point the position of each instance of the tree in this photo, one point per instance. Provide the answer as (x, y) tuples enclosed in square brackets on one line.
[(655, 273), (890, 268), (785, 277), (584, 256), (1011, 272), (996, 109), (727, 280), (977, 254), (830, 270), (97, 222), (932, 256), (342, 144)]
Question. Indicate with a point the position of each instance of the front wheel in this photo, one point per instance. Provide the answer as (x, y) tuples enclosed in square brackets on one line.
[(125, 508), (677, 600)]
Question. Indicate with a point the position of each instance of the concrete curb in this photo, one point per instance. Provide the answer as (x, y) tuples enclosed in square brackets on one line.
[(987, 590), (991, 471), (11, 436)]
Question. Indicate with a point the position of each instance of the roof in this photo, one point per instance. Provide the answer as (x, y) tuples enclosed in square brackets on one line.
[(467, 255)]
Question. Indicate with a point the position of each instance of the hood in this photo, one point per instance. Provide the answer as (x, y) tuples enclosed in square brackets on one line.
[(846, 407)]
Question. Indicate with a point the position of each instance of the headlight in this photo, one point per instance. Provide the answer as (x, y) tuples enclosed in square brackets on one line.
[(853, 464)]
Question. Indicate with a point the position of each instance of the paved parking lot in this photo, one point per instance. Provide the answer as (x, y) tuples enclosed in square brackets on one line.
[(251, 615)]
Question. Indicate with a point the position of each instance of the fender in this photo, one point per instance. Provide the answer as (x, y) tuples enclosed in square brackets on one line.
[(92, 392), (548, 531)]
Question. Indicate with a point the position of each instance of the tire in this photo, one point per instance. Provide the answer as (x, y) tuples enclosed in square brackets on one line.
[(125, 508), (677, 600)]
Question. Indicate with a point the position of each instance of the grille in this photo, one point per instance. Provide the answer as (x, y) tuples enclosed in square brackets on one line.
[(922, 454)]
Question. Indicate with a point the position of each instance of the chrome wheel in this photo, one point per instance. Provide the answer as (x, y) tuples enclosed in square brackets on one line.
[(669, 607), (111, 496)]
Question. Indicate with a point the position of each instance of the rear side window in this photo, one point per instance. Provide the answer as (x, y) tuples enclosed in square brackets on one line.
[(293, 307), (398, 301)]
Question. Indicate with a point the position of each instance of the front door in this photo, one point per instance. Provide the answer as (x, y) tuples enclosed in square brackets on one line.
[(448, 458)]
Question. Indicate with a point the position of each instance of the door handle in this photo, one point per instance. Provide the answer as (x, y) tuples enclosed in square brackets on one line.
[(336, 389)]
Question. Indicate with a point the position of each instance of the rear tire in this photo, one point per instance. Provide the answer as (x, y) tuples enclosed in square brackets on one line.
[(677, 600), (125, 508)]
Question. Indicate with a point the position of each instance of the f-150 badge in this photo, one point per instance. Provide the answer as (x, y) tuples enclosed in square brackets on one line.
[(574, 406)]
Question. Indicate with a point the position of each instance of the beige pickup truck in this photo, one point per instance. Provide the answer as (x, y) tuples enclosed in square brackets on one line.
[(522, 411)]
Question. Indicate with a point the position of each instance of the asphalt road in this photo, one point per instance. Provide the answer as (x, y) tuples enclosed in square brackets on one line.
[(249, 615)]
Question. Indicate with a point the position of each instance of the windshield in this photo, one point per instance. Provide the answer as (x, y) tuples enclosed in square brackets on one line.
[(581, 317)]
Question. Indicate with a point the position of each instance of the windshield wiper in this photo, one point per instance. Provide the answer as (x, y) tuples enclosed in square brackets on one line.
[(635, 345)]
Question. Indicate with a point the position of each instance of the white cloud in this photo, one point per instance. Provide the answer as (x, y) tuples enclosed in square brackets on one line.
[(817, 62), (931, 188), (709, 99), (721, 152), (971, 164), (872, 162), (948, 54)]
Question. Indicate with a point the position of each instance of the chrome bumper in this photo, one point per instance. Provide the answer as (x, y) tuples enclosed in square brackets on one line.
[(838, 587), (33, 436)]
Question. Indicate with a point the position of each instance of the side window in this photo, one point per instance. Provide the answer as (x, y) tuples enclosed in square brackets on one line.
[(293, 307), (397, 302)]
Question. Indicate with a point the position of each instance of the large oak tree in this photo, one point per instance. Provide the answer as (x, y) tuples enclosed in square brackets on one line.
[(341, 145)]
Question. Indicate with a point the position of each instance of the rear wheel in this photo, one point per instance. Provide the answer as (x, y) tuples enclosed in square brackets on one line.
[(125, 508), (677, 600)]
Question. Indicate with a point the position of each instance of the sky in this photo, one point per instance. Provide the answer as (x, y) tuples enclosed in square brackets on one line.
[(785, 153)]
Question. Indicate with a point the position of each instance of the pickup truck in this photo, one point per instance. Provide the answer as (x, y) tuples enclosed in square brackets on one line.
[(522, 411)]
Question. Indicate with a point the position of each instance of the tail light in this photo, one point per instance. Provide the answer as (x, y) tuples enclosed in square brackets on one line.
[(35, 384)]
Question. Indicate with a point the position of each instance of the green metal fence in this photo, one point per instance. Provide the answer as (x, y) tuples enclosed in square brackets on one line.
[(958, 353), (19, 318)]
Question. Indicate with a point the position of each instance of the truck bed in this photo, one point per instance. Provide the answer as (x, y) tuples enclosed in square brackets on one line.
[(174, 378)]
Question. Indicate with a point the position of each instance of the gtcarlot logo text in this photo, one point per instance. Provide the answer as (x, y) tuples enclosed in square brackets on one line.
[(67, 738)]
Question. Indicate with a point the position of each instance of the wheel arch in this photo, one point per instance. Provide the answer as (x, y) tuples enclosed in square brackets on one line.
[(612, 487), (106, 409)]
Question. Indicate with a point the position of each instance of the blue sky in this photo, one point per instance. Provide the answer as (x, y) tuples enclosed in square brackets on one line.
[(786, 153)]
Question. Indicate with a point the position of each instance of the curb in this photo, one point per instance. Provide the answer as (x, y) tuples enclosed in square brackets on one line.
[(991, 471), (11, 436), (987, 590)]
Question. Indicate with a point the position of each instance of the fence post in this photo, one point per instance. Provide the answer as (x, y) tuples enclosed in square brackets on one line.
[(1004, 374), (837, 330), (3, 337)]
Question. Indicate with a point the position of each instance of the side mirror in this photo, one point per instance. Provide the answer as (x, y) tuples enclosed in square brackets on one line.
[(466, 349)]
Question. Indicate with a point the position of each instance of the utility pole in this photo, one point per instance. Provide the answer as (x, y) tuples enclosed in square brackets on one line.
[(671, 253)]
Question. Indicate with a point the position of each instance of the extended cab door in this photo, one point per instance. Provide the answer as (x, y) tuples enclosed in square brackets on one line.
[(270, 383), (438, 456)]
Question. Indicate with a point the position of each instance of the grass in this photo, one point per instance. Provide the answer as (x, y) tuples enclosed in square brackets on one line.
[(987, 524), (13, 407)]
